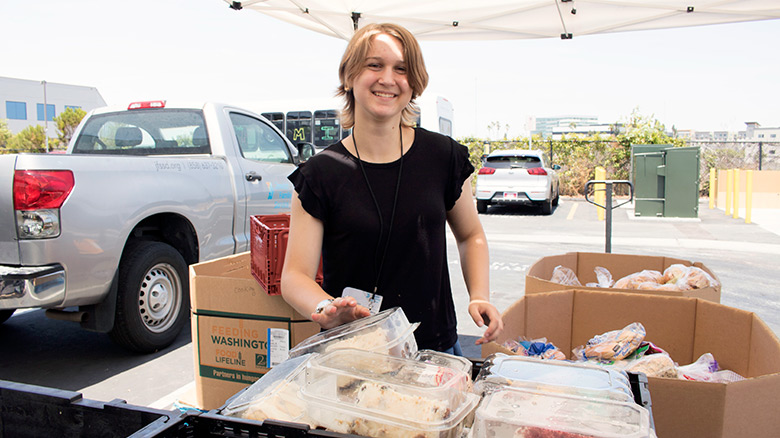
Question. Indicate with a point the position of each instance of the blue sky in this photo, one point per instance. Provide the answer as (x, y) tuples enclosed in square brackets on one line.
[(702, 78)]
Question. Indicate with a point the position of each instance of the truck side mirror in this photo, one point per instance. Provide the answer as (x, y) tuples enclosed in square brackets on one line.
[(305, 151)]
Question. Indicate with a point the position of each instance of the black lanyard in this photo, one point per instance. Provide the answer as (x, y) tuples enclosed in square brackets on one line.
[(378, 210)]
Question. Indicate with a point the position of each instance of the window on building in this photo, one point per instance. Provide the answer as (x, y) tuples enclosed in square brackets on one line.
[(72, 107), (773, 136), (49, 112), (16, 110)]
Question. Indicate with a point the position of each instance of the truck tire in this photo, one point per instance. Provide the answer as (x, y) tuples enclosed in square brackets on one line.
[(5, 314), (152, 303)]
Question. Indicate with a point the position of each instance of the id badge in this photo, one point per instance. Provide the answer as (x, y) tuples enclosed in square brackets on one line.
[(364, 298)]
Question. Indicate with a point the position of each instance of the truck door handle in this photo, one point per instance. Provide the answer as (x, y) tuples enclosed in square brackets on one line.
[(253, 176)]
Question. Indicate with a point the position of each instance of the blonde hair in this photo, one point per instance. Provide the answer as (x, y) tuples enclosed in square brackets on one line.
[(352, 64)]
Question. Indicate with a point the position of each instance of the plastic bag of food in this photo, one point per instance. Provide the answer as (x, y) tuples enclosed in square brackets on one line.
[(633, 281), (688, 277), (535, 348), (706, 369), (653, 365), (564, 275), (614, 345), (603, 278)]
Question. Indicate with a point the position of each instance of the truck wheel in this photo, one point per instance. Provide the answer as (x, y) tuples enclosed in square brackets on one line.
[(482, 206), (5, 314), (152, 297)]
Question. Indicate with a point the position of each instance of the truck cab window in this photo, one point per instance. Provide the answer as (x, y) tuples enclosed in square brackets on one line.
[(258, 141)]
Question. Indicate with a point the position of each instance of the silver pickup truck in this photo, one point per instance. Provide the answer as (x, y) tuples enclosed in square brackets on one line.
[(103, 234)]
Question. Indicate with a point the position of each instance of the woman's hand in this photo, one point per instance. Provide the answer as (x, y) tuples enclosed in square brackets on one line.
[(483, 312), (341, 311)]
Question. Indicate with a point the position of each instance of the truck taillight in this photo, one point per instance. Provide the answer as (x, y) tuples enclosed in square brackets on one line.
[(487, 171), (147, 104), (41, 189), (537, 171)]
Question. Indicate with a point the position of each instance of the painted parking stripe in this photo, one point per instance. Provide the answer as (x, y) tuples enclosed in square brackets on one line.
[(571, 212)]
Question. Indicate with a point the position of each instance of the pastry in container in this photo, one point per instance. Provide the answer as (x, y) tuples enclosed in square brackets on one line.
[(501, 370), (387, 332), (371, 394), (276, 395), (521, 413)]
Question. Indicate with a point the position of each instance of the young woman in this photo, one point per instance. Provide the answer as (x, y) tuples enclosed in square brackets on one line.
[(376, 205)]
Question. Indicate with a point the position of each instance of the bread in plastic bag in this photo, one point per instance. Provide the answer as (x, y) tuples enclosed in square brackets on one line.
[(653, 365), (613, 345), (633, 281), (688, 277), (564, 275)]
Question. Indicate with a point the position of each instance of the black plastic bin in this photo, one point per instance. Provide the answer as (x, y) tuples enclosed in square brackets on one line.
[(194, 424), (36, 411)]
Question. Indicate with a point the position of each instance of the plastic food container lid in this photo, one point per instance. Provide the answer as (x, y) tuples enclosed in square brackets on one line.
[(346, 389), (444, 359), (275, 395), (513, 412), (378, 332), (532, 373)]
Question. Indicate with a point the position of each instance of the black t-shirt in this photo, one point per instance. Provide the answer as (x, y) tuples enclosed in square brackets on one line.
[(414, 276)]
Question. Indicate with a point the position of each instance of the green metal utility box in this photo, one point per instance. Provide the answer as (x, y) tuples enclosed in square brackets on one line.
[(666, 180)]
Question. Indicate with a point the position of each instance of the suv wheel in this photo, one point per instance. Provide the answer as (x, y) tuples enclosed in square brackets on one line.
[(482, 206), (546, 207)]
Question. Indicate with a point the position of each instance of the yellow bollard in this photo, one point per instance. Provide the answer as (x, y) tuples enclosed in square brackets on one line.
[(736, 194), (748, 196), (713, 189), (729, 190), (600, 191)]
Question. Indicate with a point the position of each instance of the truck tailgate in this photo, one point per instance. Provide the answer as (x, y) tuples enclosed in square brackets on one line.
[(9, 246)]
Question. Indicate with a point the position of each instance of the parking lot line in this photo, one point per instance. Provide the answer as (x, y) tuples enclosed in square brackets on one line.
[(571, 212)]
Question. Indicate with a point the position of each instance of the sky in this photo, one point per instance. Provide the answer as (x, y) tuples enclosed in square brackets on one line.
[(703, 78)]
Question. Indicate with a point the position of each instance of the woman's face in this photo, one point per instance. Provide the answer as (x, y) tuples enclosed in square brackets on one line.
[(381, 89)]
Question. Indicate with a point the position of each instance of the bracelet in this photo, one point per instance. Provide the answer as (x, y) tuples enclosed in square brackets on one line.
[(322, 304)]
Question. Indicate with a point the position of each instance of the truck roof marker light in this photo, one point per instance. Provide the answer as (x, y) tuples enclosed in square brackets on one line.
[(147, 104)]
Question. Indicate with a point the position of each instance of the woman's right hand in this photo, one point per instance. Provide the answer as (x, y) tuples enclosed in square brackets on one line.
[(341, 311)]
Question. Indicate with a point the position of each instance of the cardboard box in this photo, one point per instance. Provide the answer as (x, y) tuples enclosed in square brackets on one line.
[(685, 327), (619, 265), (237, 329)]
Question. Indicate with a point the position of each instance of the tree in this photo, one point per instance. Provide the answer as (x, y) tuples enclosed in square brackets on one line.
[(67, 122), (30, 139), (5, 134)]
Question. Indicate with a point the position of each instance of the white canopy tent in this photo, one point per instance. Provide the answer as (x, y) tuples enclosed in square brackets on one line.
[(509, 19)]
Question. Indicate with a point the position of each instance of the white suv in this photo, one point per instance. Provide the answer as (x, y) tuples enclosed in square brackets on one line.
[(516, 177)]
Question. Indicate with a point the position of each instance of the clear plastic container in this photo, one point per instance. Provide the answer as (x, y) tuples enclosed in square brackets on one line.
[(276, 395), (371, 394), (444, 359), (515, 413), (499, 370), (388, 332)]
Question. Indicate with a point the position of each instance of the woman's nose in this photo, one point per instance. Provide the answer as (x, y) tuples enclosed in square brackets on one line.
[(387, 76)]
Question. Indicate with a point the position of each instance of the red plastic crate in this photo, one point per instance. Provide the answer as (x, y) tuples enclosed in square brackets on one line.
[(268, 246)]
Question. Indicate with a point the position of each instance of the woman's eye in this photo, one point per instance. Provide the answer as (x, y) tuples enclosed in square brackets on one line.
[(401, 70), (374, 66)]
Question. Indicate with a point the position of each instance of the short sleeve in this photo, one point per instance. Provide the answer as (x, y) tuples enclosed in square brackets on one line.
[(304, 182), (460, 170)]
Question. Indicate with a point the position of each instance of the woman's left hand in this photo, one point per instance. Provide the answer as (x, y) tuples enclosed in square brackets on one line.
[(482, 312)]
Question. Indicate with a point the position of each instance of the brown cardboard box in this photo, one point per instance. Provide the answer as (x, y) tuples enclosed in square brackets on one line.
[(619, 265), (232, 324), (686, 328)]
